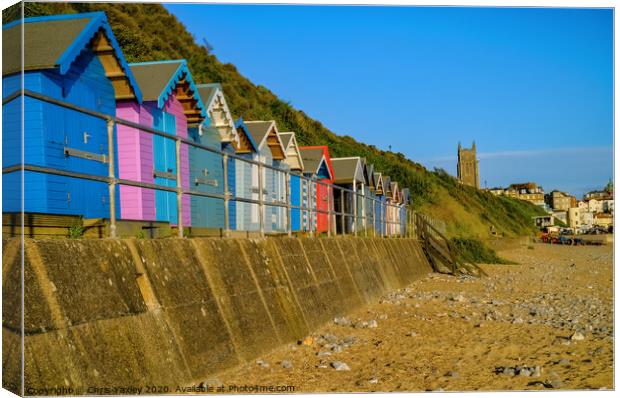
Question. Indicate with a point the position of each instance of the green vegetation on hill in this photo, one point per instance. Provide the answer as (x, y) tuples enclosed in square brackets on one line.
[(149, 32), (474, 251)]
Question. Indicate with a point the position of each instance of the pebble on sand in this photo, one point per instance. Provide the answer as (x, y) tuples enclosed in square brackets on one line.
[(577, 336), (340, 366), (286, 364)]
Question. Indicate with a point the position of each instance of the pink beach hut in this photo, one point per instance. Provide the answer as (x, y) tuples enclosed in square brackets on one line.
[(170, 104)]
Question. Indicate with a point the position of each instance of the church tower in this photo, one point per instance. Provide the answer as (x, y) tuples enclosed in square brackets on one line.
[(467, 166)]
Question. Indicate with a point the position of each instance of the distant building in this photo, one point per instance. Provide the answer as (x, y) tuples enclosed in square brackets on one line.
[(595, 206), (608, 206), (544, 221), (528, 191), (560, 200), (467, 166), (496, 191), (603, 219), (607, 193), (574, 217), (586, 219), (561, 215)]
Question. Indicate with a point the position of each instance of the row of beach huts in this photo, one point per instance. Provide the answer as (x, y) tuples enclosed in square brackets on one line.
[(234, 174)]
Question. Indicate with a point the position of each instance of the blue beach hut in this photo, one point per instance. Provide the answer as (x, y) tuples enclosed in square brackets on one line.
[(296, 166), (271, 152), (387, 200), (379, 205), (405, 198), (245, 182), (74, 58), (369, 176), (206, 170)]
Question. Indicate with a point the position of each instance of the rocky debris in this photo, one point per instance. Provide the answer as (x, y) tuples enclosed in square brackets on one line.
[(262, 363), (342, 321), (577, 336), (452, 374), (556, 383), (348, 341), (411, 334), (286, 364), (373, 380), (365, 324), (459, 298), (526, 371), (340, 366), (383, 317), (323, 354), (361, 325)]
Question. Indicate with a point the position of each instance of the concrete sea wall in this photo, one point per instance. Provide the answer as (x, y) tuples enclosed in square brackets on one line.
[(174, 311)]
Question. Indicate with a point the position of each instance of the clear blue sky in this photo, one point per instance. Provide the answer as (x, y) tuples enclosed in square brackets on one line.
[(533, 87)]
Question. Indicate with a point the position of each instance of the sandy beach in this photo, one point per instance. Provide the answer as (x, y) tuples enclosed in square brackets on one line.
[(544, 324)]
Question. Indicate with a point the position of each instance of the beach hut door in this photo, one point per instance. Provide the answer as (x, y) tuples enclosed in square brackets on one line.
[(164, 172)]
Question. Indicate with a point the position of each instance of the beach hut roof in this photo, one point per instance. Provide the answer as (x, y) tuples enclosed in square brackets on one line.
[(266, 132), (56, 41), (314, 157), (347, 170), (212, 96), (395, 191), (406, 196), (370, 171), (246, 142), (293, 155), (387, 186), (379, 183), (158, 80), (286, 138)]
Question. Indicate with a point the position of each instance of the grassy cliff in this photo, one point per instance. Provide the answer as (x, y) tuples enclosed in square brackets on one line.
[(149, 32)]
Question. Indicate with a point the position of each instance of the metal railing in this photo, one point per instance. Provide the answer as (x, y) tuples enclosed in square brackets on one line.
[(389, 221)]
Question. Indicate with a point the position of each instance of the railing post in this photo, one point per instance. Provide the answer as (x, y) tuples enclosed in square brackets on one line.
[(383, 219), (261, 201), (302, 181), (287, 182), (374, 217), (308, 205), (179, 189), (354, 202), (112, 177), (329, 210), (342, 212), (226, 196), (312, 205), (364, 211)]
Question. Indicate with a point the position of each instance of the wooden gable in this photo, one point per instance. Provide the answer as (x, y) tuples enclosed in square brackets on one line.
[(187, 97), (275, 144), (244, 144), (106, 54), (293, 156), (379, 185)]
